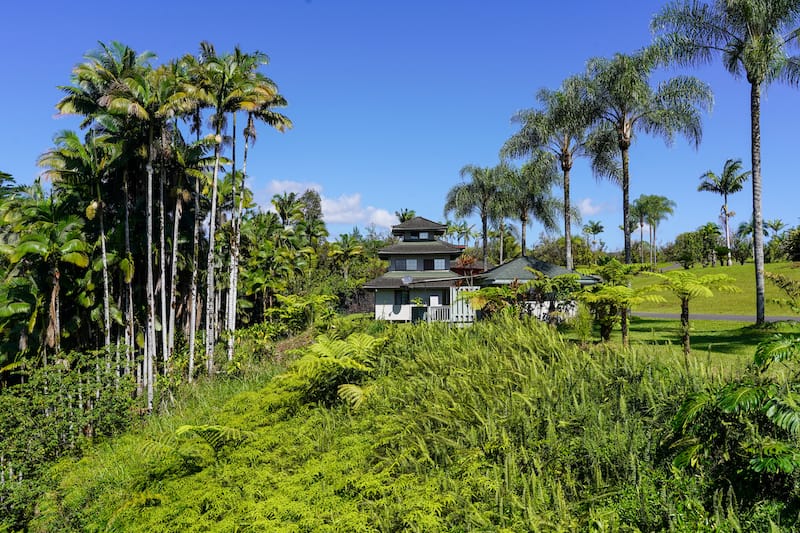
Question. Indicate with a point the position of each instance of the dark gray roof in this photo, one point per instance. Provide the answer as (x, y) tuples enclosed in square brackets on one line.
[(420, 248), (517, 269), (400, 278), (419, 224)]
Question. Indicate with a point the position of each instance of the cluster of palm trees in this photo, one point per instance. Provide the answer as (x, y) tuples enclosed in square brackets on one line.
[(598, 113), (145, 174)]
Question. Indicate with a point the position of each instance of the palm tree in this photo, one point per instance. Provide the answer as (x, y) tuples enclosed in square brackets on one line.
[(266, 113), (77, 164), (658, 209), (730, 181), (55, 238), (477, 196), (563, 126), (221, 83), (752, 37), (288, 207), (620, 88), (404, 215), (638, 212), (593, 228), (525, 193)]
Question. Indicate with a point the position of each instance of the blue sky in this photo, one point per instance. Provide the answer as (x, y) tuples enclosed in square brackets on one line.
[(391, 98)]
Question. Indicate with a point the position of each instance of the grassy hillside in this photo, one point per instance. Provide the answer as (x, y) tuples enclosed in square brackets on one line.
[(504, 426), (741, 303)]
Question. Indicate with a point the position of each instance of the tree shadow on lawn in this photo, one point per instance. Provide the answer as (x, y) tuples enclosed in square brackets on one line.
[(706, 336)]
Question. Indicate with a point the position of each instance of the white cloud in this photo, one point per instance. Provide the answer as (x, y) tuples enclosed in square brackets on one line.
[(381, 217), (346, 209), (343, 210), (588, 208), (299, 187)]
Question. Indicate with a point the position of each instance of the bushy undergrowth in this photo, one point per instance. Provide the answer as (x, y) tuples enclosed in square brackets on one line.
[(503, 426)]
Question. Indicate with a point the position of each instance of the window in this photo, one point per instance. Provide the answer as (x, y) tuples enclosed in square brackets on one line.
[(411, 264), (423, 235), (399, 264), (439, 264), (401, 297)]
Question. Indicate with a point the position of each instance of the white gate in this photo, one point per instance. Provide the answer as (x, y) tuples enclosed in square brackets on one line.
[(461, 311)]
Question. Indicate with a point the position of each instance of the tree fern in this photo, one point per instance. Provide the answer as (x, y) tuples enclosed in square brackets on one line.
[(218, 437)]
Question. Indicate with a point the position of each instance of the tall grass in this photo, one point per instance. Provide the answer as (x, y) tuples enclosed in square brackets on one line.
[(504, 426)]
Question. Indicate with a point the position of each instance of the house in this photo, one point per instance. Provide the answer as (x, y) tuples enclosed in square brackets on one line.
[(522, 270), (419, 284)]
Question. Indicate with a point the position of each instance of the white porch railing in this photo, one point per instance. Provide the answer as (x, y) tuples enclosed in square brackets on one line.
[(439, 313)]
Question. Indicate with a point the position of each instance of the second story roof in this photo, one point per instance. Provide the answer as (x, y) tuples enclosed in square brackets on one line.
[(419, 224)]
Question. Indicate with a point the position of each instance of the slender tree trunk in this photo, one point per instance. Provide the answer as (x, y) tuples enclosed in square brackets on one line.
[(727, 229), (237, 239), (502, 238), (195, 265), (104, 256), (685, 325), (758, 223), (623, 314), (210, 289), (162, 254), (626, 203), (150, 341), (130, 326), (173, 293), (641, 242), (523, 222), (567, 218), (485, 234), (230, 324)]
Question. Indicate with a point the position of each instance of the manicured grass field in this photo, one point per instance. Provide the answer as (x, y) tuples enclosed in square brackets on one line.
[(724, 346), (740, 303)]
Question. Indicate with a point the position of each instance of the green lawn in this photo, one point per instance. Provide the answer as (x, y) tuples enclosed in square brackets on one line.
[(724, 346), (741, 303)]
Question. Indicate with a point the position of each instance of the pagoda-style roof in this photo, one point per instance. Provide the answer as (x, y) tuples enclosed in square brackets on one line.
[(419, 224), (517, 269), (432, 247), (414, 278)]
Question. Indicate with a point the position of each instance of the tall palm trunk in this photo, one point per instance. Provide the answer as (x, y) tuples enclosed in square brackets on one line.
[(210, 291), (726, 216), (162, 270), (230, 308), (150, 341), (193, 290), (173, 293), (130, 326), (237, 239), (523, 221), (502, 238), (106, 292), (565, 168), (195, 264), (626, 183), (758, 223), (485, 234)]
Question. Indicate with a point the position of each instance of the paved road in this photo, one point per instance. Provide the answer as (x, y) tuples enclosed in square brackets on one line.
[(700, 316)]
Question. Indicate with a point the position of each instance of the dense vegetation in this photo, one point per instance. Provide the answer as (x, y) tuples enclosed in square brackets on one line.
[(501, 427)]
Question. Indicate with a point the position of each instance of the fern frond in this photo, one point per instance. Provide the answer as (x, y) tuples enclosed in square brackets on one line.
[(215, 436), (354, 395)]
